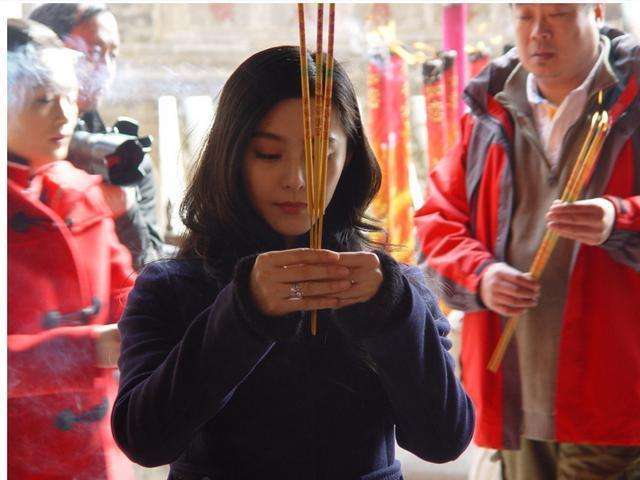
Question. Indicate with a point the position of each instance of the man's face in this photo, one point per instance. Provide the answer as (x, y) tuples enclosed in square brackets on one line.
[(98, 39), (557, 42)]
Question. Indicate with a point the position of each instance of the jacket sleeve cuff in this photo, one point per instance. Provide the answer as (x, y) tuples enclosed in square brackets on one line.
[(619, 236), (280, 328), (390, 303), (627, 212), (480, 271)]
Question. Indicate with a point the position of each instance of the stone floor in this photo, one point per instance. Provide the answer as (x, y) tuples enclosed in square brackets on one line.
[(413, 468)]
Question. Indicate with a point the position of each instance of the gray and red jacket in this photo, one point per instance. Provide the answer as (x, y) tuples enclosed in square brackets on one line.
[(464, 226)]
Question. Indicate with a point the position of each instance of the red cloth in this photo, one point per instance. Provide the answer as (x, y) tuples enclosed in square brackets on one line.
[(389, 134), (63, 257)]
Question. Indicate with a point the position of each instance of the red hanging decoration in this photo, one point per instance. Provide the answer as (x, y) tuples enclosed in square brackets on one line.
[(389, 133), (436, 115), (450, 75), (478, 59)]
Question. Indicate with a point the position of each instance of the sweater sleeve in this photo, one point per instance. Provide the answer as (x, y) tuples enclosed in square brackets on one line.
[(58, 360), (172, 383), (433, 414)]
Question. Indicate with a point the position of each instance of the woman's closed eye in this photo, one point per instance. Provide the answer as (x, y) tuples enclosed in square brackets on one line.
[(267, 155), (44, 99)]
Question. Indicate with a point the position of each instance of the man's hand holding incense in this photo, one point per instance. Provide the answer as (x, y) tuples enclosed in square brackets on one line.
[(586, 221), (508, 291), (301, 279)]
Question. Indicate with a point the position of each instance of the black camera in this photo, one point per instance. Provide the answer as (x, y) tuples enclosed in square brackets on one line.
[(115, 155)]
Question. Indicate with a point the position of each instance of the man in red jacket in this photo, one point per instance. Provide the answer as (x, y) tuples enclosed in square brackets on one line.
[(68, 276), (565, 402)]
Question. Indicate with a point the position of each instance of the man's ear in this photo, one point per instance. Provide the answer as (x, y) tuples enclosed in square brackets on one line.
[(75, 42), (598, 10)]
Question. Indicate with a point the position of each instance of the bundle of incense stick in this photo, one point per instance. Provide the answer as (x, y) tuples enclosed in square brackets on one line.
[(316, 140), (580, 174)]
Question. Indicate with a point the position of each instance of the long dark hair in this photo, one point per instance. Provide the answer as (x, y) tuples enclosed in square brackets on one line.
[(216, 210)]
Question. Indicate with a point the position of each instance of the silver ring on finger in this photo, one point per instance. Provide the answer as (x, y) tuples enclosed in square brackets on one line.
[(295, 291)]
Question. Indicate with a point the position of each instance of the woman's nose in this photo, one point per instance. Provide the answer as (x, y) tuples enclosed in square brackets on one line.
[(66, 110), (294, 176)]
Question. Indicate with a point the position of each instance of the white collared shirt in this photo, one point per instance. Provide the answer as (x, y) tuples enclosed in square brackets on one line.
[(552, 122)]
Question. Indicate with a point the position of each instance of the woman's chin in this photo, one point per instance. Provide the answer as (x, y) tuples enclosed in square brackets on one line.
[(289, 227), (292, 233)]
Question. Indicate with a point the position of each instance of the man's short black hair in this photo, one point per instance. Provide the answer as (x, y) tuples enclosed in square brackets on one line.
[(63, 17)]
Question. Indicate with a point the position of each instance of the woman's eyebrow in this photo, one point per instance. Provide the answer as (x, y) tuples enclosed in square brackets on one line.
[(269, 135)]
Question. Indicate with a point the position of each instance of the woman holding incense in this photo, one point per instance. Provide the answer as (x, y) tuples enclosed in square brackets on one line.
[(220, 374), (68, 276)]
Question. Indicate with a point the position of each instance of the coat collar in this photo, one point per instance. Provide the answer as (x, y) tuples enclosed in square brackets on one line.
[(18, 170)]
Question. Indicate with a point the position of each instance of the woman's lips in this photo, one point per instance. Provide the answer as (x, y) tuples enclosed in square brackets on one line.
[(292, 208)]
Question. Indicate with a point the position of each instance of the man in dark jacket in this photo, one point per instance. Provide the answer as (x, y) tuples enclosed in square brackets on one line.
[(91, 29), (564, 402)]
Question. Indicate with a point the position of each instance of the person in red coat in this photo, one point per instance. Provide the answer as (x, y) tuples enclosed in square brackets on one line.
[(564, 403), (67, 277)]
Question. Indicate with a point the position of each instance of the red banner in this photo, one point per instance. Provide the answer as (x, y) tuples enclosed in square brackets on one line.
[(389, 133), (450, 75), (436, 115), (478, 59)]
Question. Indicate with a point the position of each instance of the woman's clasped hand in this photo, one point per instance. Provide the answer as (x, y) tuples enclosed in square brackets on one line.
[(304, 279)]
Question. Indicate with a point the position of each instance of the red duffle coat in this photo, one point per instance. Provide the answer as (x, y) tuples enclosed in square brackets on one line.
[(464, 226), (67, 272)]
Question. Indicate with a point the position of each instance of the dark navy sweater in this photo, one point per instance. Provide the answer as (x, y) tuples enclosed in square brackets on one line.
[(219, 391)]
